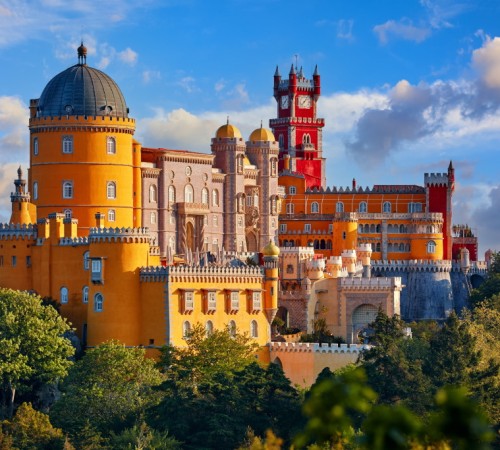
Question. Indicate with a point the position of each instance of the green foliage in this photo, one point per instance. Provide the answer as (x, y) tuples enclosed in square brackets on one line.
[(489, 290), (32, 345), (321, 334), (330, 406), (215, 390), (30, 429), (110, 387), (142, 437)]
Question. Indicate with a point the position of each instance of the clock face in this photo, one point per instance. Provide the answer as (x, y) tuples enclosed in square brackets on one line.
[(284, 101), (304, 101)]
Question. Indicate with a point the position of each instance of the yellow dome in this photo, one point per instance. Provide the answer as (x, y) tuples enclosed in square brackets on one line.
[(262, 134), (271, 249), (246, 161), (228, 131)]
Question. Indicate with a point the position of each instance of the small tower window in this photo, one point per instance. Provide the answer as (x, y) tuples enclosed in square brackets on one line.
[(111, 189), (204, 196), (362, 207), (35, 146), (110, 145), (292, 190), (431, 247), (281, 141), (215, 197), (98, 302), (209, 328), (63, 295), (386, 207), (171, 194), (68, 189), (68, 213), (290, 207), (254, 329), (153, 194), (186, 329), (35, 190), (188, 194), (153, 217), (339, 207), (111, 215), (67, 144), (85, 294), (314, 207), (86, 261)]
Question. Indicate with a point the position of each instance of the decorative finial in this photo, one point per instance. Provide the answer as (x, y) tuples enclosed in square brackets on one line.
[(277, 73), (19, 172), (261, 123), (227, 120), (82, 54)]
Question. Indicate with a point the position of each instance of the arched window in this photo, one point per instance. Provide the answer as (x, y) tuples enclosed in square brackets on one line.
[(209, 328), (306, 139), (362, 207), (67, 144), (377, 247), (239, 164), (86, 260), (63, 298), (204, 196), (68, 189), (186, 329), (111, 189), (111, 145), (153, 194), (188, 194), (215, 221), (431, 247), (98, 302), (254, 329), (339, 207), (315, 207), (68, 213), (386, 207), (153, 217), (290, 208), (232, 328), (35, 190), (85, 294), (215, 197), (111, 215), (171, 194), (281, 141), (292, 190), (35, 146)]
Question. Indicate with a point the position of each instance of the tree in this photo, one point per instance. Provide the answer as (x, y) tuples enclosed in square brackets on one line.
[(108, 389), (32, 429), (215, 391), (394, 365), (490, 288), (32, 344)]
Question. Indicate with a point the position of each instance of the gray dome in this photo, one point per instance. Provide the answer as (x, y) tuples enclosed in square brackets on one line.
[(81, 90)]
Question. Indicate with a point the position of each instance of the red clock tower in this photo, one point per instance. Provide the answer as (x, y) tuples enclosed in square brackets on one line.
[(297, 128)]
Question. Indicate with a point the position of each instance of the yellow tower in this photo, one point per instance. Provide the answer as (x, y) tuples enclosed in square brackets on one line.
[(81, 149), (21, 202), (345, 232), (271, 253)]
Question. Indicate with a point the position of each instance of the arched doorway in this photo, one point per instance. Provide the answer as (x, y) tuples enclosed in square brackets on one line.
[(252, 245), (362, 316)]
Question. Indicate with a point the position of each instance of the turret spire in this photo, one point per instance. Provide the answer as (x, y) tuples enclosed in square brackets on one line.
[(82, 54)]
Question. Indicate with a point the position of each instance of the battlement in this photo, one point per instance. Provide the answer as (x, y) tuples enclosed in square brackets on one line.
[(201, 274), (436, 179), (67, 241), (77, 120), (124, 235), (376, 189), (295, 121), (307, 347), (378, 283), (476, 267), (412, 265), (16, 231)]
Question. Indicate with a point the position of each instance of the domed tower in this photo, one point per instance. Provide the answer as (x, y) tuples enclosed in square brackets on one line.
[(229, 148), (262, 151), (20, 200), (82, 160)]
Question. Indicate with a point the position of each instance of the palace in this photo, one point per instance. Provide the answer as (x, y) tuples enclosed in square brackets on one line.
[(139, 244)]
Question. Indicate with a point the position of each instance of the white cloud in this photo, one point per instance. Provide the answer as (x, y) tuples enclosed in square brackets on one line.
[(103, 62), (188, 84), (487, 61), (13, 130), (150, 75), (403, 29), (220, 85), (344, 29), (128, 56)]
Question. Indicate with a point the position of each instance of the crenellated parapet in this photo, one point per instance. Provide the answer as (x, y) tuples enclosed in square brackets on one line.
[(123, 235), (154, 274), (102, 124), (371, 284), (75, 241), (412, 265), (216, 274), (306, 347), (476, 267), (436, 179), (16, 231)]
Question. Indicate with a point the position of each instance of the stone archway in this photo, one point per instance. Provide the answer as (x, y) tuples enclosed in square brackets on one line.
[(361, 317), (252, 244)]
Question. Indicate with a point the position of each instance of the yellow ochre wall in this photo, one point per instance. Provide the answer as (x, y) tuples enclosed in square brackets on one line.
[(89, 166)]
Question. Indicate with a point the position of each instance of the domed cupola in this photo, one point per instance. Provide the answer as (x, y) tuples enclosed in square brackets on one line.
[(228, 131), (262, 135), (81, 90)]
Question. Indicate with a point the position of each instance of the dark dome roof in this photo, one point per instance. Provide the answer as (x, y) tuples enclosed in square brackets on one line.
[(81, 90)]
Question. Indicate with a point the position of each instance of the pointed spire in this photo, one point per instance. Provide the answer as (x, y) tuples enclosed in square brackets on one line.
[(19, 173), (292, 70), (450, 167), (301, 73), (261, 123), (277, 72), (227, 123), (316, 73)]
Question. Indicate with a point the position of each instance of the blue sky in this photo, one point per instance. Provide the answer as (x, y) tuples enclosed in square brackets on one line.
[(407, 86)]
